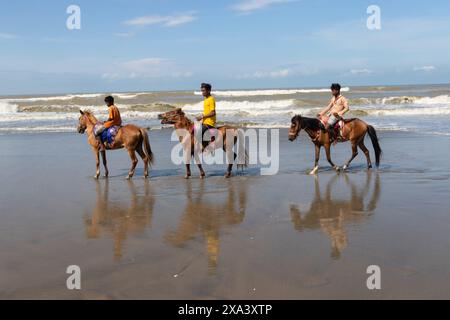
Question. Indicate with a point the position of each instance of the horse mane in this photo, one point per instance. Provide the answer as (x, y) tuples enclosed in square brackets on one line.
[(308, 123), (90, 116), (185, 119)]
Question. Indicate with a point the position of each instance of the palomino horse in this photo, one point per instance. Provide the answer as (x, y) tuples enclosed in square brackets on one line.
[(130, 137), (354, 130), (178, 118)]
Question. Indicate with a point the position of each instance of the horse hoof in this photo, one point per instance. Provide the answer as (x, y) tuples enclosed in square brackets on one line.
[(344, 168), (187, 176), (369, 168), (338, 169), (129, 177), (227, 175), (314, 171), (202, 176), (96, 176)]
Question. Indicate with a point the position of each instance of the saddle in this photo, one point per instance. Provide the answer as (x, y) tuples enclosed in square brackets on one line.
[(212, 132), (338, 129)]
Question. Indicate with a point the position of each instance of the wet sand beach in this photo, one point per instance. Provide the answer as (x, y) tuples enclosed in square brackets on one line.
[(288, 236)]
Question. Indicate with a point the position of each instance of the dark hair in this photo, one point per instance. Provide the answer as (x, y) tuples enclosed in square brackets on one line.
[(207, 86), (109, 100), (336, 86)]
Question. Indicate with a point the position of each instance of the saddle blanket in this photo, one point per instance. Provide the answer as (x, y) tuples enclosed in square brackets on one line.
[(338, 127), (108, 135)]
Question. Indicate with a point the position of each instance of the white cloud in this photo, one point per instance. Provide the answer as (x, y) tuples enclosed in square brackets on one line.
[(283, 73), (425, 68), (248, 6), (361, 71), (7, 36), (167, 21)]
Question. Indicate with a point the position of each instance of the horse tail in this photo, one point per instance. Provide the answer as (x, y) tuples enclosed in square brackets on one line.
[(147, 148), (376, 145), (241, 149)]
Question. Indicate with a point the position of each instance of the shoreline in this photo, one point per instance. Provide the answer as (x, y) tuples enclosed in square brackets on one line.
[(150, 129)]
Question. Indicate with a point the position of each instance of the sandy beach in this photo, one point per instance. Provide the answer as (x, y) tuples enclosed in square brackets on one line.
[(288, 236)]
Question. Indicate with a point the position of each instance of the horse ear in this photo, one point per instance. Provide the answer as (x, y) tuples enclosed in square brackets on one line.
[(81, 111)]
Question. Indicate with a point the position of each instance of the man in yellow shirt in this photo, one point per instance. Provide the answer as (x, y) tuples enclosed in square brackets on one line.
[(208, 117)]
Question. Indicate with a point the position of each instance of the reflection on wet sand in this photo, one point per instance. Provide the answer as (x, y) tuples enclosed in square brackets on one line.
[(207, 219), (118, 219), (332, 215)]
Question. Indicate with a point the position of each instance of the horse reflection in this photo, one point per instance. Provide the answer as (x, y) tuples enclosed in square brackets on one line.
[(120, 219), (332, 215), (207, 219)]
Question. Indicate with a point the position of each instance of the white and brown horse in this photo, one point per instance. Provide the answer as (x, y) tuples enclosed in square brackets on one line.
[(227, 138)]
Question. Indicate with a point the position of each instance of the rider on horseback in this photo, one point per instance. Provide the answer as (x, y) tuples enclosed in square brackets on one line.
[(337, 107), (208, 117), (114, 119)]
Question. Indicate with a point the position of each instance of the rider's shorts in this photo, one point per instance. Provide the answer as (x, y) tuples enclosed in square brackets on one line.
[(332, 120), (98, 130)]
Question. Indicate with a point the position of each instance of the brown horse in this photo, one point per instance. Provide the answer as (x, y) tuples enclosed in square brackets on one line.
[(180, 122), (354, 130), (130, 137)]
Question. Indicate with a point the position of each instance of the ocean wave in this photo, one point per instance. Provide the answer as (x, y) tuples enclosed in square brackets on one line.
[(73, 108), (435, 111), (7, 108), (125, 96), (59, 116), (243, 105), (267, 92), (400, 100), (57, 98)]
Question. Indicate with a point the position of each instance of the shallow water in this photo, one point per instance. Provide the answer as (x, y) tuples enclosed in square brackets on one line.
[(286, 236)]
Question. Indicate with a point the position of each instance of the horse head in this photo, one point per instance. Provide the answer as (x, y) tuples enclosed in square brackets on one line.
[(296, 127), (171, 117), (82, 122), (86, 118)]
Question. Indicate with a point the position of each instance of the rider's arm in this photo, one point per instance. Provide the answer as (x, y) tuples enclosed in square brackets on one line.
[(111, 117), (345, 109), (209, 115)]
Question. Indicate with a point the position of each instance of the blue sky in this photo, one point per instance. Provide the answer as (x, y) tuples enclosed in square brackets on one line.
[(146, 45)]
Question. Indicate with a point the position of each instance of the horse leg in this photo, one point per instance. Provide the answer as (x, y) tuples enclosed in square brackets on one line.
[(316, 163), (97, 162), (229, 171), (134, 162), (354, 154), (202, 172), (144, 158), (103, 153), (188, 171), (230, 165), (328, 152), (363, 148)]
